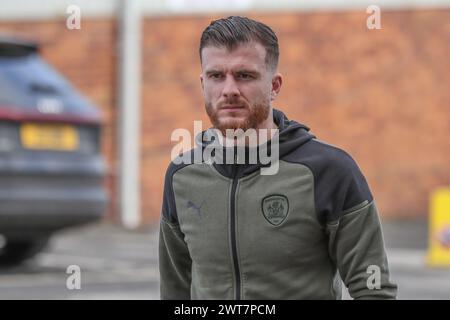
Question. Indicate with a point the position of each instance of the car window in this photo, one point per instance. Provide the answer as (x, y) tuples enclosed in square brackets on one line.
[(29, 82), (24, 78), (31, 70)]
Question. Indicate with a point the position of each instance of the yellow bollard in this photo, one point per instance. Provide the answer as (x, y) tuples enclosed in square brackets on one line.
[(439, 229)]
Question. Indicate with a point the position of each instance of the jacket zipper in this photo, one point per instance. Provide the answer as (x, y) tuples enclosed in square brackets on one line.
[(237, 274)]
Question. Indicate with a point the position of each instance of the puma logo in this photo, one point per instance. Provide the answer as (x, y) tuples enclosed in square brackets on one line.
[(191, 205)]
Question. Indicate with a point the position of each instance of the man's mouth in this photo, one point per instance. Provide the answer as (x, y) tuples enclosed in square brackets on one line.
[(231, 107)]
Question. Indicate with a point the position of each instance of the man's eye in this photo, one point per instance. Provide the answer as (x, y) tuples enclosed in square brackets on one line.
[(215, 76), (245, 76)]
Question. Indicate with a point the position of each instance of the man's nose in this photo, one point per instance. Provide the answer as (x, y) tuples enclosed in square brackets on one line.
[(230, 89)]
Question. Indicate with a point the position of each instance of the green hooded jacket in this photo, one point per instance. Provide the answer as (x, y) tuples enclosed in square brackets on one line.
[(229, 232)]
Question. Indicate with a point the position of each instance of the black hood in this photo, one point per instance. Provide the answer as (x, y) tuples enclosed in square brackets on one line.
[(292, 133), (291, 136)]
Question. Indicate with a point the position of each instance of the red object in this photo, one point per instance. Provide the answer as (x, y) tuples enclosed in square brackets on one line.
[(13, 114)]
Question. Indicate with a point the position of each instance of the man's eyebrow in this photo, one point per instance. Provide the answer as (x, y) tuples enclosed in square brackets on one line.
[(212, 71), (254, 72), (237, 71)]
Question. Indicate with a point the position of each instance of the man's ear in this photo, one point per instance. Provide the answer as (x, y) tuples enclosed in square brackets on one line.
[(201, 81), (277, 81)]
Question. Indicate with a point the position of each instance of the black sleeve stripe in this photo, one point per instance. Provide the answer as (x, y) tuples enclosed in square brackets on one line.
[(169, 209), (339, 184)]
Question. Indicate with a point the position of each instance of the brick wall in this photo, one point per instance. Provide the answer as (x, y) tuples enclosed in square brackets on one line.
[(382, 95)]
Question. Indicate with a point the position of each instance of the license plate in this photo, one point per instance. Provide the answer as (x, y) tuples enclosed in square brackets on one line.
[(49, 136)]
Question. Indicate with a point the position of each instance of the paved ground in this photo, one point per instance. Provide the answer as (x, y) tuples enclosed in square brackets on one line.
[(120, 264), (114, 264)]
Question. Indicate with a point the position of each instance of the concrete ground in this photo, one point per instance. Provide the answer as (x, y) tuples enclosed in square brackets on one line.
[(120, 264)]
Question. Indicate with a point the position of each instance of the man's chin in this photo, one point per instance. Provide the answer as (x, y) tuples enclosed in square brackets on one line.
[(232, 123)]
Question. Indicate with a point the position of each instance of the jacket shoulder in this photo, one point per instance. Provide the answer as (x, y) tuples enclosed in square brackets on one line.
[(322, 156), (169, 211), (339, 184)]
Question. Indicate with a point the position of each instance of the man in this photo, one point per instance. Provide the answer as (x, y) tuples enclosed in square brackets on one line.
[(230, 232)]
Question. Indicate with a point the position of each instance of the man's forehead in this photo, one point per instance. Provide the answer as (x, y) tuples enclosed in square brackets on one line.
[(246, 55)]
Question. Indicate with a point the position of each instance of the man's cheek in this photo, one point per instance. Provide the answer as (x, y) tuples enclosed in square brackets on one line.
[(210, 95)]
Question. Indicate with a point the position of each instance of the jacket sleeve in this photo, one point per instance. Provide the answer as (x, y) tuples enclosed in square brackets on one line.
[(174, 259), (174, 263), (355, 239), (357, 247)]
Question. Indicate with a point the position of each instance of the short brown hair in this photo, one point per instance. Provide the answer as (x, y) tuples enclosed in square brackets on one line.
[(234, 30)]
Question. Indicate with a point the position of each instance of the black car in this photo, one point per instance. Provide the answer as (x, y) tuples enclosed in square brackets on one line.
[(51, 169)]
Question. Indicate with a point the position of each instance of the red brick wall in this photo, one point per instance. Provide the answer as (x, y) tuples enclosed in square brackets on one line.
[(382, 95)]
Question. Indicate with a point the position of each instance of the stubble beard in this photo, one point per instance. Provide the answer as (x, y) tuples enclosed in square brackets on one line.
[(257, 114)]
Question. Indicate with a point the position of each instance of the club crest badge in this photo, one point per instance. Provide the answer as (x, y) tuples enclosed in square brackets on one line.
[(275, 209)]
